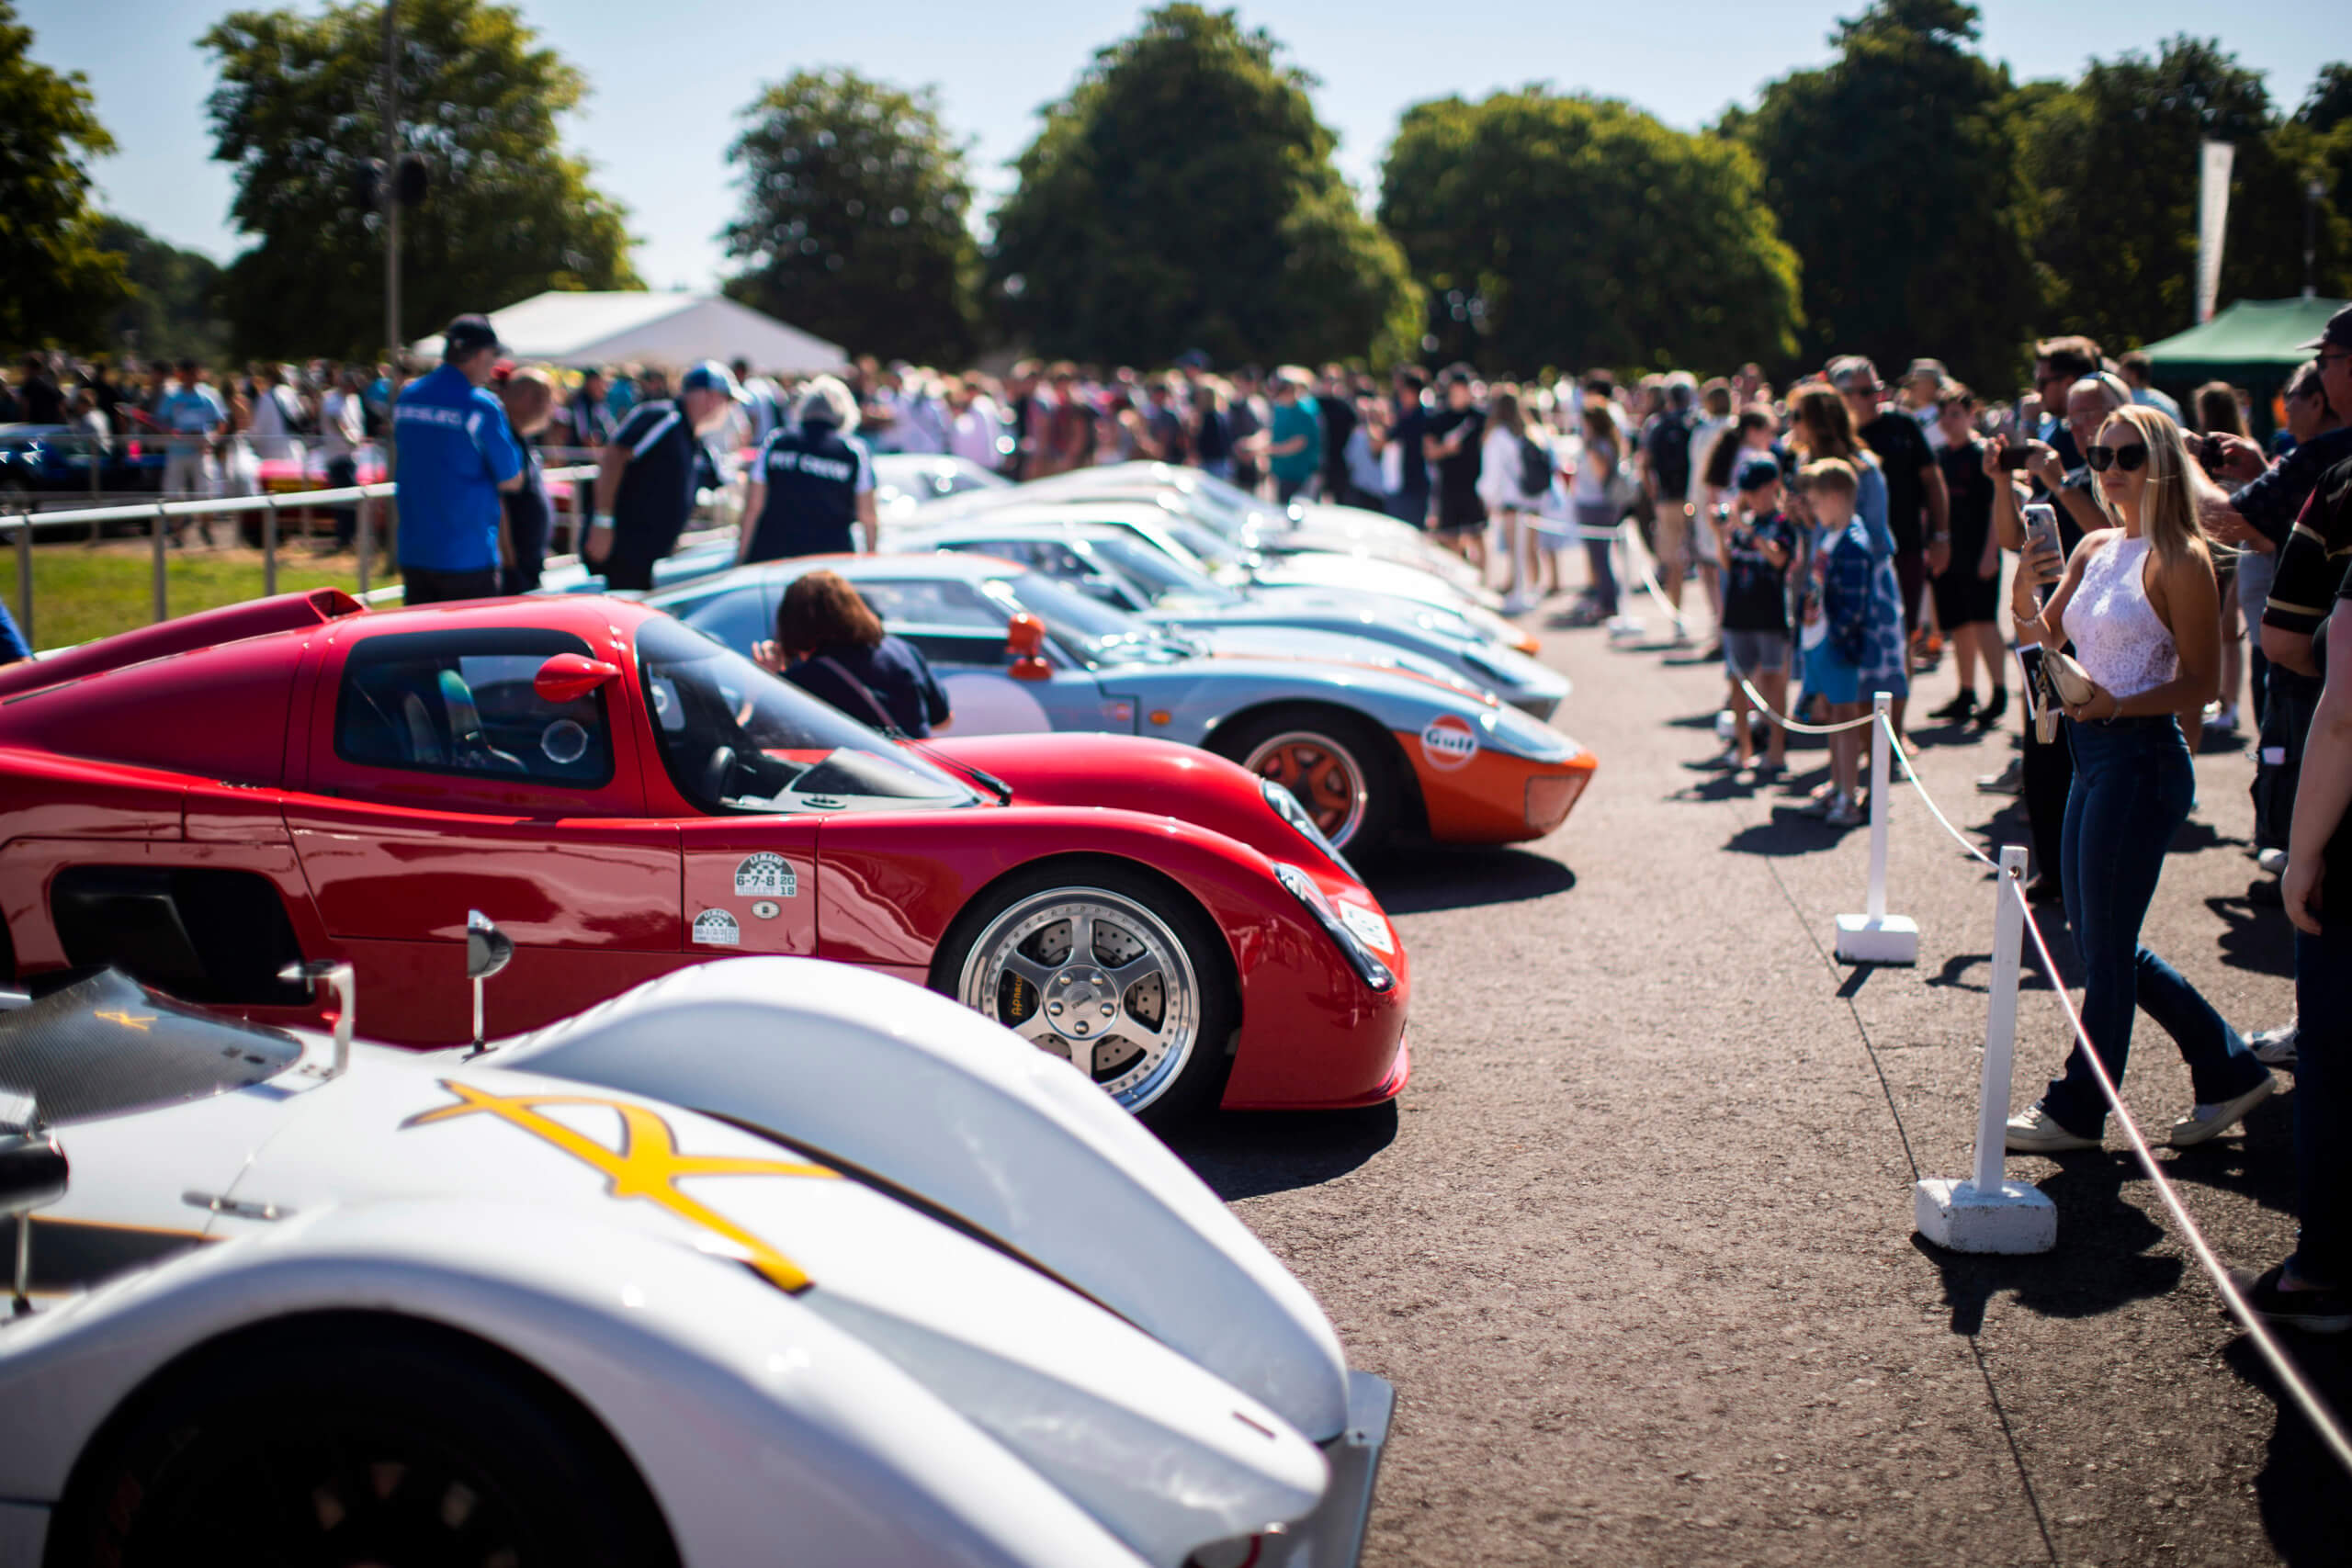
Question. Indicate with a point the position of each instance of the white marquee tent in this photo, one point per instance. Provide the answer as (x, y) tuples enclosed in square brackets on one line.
[(639, 328)]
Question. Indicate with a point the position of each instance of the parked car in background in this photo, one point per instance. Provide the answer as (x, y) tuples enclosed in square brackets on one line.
[(1114, 561), (1375, 753), (906, 482)]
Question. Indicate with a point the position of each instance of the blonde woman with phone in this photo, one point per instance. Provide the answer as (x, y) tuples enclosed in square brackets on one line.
[(2140, 602)]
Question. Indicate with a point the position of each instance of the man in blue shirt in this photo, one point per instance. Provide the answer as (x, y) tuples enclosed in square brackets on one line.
[(196, 417), (646, 476), (456, 452)]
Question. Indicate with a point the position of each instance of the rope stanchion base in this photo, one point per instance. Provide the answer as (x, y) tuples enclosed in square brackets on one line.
[(1961, 1216), (1878, 939)]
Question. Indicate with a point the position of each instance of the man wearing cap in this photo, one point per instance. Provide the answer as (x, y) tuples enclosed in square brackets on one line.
[(646, 476), (812, 482), (1915, 487), (456, 454)]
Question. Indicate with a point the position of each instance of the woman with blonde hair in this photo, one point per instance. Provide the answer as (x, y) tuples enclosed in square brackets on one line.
[(2141, 605), (1823, 428)]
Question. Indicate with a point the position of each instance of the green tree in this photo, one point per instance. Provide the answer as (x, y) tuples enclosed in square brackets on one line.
[(56, 282), (1896, 175), (2115, 162), (2329, 103), (300, 111), (174, 312), (1549, 228), (854, 217), (1182, 197)]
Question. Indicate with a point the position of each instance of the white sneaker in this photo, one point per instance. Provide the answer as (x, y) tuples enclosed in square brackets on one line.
[(2034, 1132), (2205, 1122), (2276, 1047), (1518, 604), (2273, 861)]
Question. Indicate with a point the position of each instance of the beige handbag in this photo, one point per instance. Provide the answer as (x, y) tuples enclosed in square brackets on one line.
[(2065, 683)]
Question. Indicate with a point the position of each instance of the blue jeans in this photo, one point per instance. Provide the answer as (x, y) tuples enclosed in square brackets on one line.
[(2323, 1119), (2132, 791)]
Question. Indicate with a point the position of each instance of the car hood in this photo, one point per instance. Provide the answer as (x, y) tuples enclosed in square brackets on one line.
[(1165, 1453)]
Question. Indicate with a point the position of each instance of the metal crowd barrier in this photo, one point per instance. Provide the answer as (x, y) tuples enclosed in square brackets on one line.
[(370, 498)]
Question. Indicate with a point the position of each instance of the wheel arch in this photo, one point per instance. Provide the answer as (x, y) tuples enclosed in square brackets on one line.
[(1414, 817), (341, 1327)]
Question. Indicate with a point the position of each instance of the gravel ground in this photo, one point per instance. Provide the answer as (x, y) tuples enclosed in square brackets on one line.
[(1635, 1244)]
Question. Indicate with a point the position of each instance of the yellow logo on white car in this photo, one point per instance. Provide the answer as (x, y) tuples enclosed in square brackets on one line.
[(647, 1164)]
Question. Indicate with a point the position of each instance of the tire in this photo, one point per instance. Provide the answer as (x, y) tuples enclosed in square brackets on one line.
[(1148, 1010), (1336, 764), (357, 1439)]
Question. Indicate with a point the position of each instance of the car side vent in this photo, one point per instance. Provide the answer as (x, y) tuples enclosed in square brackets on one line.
[(200, 935)]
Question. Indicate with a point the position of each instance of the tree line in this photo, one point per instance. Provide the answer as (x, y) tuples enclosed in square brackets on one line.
[(1181, 199)]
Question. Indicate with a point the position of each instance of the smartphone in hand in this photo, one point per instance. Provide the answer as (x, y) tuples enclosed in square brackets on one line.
[(2040, 537)]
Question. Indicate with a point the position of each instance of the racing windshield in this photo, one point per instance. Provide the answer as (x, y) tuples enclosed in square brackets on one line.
[(1092, 630), (106, 1045), (736, 738), (1159, 574)]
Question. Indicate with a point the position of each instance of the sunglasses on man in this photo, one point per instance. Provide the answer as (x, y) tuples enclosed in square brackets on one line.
[(2127, 458)]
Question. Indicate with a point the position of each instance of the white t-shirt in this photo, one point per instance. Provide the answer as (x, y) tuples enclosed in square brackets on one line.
[(272, 437), (339, 424), (973, 435), (1499, 471)]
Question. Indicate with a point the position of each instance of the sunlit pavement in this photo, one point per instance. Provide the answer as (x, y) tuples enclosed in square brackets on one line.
[(1636, 1245)]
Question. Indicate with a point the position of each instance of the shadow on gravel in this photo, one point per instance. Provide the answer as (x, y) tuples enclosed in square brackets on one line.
[(2254, 938), (1789, 833), (1416, 881), (2102, 1262), (2257, 1165), (1248, 1153), (2306, 1509)]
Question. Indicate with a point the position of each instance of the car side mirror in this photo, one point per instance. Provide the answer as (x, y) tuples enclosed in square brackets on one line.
[(568, 677), (488, 950), (337, 975), (33, 1175), (1025, 642)]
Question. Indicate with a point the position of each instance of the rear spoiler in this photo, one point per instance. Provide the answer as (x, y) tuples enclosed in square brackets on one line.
[(206, 629)]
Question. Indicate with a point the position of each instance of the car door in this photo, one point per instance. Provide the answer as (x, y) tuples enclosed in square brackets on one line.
[(438, 780)]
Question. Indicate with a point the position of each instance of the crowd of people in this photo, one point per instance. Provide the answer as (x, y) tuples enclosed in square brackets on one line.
[(2171, 579)]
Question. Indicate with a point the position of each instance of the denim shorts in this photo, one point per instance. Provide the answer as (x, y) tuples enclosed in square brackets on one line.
[(1751, 653), (1833, 679)]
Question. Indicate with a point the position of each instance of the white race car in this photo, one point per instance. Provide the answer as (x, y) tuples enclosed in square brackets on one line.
[(769, 1261)]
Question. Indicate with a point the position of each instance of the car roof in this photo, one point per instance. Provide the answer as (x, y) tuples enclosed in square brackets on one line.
[(1097, 517)]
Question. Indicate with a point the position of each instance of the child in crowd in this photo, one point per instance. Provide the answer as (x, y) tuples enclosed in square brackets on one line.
[(1836, 630), (1758, 548)]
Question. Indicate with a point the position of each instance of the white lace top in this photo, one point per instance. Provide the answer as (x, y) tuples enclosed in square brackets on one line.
[(2115, 631)]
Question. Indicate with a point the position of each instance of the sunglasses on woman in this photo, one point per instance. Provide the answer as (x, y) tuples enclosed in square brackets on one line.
[(2125, 457)]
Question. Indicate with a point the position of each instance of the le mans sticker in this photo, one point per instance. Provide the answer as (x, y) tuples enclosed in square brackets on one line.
[(717, 927), (1448, 742), (765, 875)]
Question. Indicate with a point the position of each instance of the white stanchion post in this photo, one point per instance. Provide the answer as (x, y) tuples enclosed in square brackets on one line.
[(1874, 936), (1988, 1212), (1625, 627)]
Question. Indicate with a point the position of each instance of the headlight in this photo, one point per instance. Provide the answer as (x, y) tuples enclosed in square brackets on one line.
[(1287, 807), (1366, 963), (1529, 736)]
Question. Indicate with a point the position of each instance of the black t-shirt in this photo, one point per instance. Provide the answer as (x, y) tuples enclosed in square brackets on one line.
[(1903, 451), (814, 475), (891, 675), (529, 519), (1755, 593), (2310, 573), (1971, 489), (1457, 476), (1338, 424), (657, 493), (1412, 426), (1212, 442)]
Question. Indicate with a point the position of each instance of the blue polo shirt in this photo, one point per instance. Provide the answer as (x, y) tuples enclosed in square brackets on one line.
[(455, 449)]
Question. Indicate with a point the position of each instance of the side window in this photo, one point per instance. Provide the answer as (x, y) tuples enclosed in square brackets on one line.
[(464, 702), (738, 617), (932, 603)]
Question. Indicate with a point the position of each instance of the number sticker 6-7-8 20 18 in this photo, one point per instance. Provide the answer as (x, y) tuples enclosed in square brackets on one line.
[(765, 875)]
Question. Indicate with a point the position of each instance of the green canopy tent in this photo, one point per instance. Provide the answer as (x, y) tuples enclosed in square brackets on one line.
[(2251, 344)]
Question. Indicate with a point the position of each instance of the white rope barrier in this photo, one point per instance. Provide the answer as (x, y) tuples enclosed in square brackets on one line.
[(1796, 726), (1933, 809)]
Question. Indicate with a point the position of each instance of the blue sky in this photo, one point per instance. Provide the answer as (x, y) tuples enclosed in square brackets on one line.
[(669, 76)]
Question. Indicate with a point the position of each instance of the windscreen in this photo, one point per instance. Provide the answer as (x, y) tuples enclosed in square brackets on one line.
[(736, 738), (1157, 572), (106, 1044), (1094, 631)]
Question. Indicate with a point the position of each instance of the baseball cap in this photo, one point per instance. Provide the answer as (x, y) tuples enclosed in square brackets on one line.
[(468, 335), (710, 375), (1852, 373), (1757, 472), (2337, 334), (1928, 370)]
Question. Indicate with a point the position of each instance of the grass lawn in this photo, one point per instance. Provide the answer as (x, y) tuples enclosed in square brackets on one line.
[(80, 593)]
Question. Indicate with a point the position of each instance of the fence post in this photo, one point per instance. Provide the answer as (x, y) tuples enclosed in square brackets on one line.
[(366, 542), (24, 577), (1988, 1212), (269, 546), (1874, 936), (162, 542)]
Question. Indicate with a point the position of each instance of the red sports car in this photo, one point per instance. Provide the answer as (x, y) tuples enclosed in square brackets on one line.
[(205, 801)]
